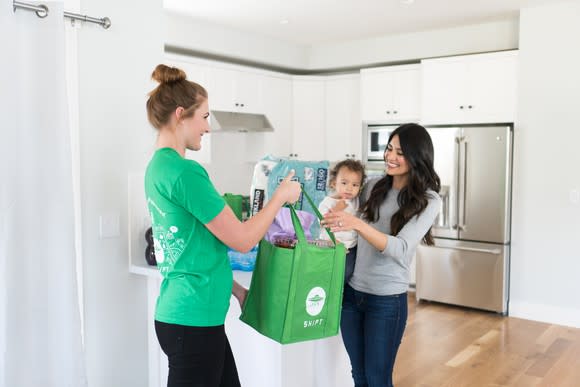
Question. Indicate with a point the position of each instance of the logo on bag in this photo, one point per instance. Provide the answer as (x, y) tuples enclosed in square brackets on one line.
[(315, 301)]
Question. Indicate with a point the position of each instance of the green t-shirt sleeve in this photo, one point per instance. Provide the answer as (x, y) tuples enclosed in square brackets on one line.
[(195, 192)]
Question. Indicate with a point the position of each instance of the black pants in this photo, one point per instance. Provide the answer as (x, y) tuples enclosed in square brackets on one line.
[(198, 356)]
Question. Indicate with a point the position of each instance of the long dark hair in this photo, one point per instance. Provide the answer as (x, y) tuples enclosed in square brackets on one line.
[(417, 148)]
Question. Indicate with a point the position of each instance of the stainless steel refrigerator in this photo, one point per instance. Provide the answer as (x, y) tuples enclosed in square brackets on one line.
[(469, 263)]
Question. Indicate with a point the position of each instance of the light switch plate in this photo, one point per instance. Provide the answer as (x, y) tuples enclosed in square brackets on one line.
[(574, 196), (109, 226)]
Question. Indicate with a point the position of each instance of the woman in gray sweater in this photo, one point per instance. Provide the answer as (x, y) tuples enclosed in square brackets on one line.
[(396, 214)]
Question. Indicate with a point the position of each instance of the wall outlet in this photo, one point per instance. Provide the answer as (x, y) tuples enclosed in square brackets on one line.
[(109, 226)]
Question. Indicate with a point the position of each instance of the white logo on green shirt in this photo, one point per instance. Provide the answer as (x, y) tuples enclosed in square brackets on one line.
[(167, 246)]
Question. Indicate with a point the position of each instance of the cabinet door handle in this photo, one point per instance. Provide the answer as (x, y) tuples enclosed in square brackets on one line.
[(395, 112), (237, 104), (461, 107), (242, 105), (470, 106), (388, 112)]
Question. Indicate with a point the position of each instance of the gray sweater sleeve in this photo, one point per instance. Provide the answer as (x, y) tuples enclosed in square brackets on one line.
[(412, 232)]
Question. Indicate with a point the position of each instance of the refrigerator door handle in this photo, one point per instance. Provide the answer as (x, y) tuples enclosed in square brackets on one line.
[(473, 249), (463, 221), (458, 140)]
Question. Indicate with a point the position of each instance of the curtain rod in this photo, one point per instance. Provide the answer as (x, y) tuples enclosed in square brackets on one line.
[(42, 12)]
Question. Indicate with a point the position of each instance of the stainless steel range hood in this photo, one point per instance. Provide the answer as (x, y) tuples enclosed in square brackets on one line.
[(239, 122)]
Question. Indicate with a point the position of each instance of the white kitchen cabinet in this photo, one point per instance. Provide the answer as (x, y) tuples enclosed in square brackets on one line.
[(390, 94), (260, 361), (343, 128), (277, 90), (309, 106), (469, 89), (236, 90), (196, 72)]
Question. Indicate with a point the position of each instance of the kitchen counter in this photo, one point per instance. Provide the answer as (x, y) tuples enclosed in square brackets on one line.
[(261, 362)]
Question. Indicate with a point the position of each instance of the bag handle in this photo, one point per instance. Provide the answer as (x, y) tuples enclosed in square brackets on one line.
[(298, 226)]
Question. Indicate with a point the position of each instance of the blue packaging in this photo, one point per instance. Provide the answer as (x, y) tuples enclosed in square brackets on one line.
[(243, 261), (312, 175)]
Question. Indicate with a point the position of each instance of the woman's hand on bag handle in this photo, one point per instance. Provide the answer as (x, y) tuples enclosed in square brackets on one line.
[(288, 191), (243, 236)]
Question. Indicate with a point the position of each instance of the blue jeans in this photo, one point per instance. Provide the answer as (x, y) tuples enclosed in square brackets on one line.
[(372, 328)]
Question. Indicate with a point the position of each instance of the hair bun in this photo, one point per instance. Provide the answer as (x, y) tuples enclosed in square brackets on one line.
[(166, 74)]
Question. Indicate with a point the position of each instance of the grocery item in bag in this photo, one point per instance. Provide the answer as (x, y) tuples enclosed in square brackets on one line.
[(262, 171), (282, 226), (243, 261), (271, 170), (312, 175), (296, 294)]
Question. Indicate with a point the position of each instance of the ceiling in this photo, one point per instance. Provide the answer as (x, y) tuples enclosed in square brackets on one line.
[(310, 22)]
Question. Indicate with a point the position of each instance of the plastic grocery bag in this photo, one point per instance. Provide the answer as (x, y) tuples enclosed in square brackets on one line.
[(282, 226)]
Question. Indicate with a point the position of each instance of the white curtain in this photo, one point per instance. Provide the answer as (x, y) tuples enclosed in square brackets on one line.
[(40, 330)]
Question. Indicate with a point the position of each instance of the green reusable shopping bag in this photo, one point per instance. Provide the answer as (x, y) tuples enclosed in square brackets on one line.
[(235, 203), (296, 294)]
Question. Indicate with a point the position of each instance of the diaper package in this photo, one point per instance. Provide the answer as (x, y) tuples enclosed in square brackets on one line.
[(270, 171)]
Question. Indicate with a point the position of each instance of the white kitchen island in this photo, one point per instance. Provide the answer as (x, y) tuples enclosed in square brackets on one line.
[(261, 362)]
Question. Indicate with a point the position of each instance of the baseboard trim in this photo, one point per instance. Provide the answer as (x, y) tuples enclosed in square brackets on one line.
[(545, 313)]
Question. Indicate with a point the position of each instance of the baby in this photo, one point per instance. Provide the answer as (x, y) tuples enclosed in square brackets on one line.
[(346, 180)]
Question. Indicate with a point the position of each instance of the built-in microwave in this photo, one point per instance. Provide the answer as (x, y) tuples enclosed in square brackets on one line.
[(377, 138)]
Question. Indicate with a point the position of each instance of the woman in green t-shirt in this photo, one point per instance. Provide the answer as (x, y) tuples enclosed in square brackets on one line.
[(192, 227)]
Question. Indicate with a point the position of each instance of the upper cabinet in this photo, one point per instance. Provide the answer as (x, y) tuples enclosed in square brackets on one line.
[(469, 89), (278, 109), (326, 118), (235, 90), (390, 94), (308, 118), (343, 128), (196, 72), (320, 117)]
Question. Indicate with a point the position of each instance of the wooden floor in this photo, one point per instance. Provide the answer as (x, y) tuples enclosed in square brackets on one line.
[(451, 346)]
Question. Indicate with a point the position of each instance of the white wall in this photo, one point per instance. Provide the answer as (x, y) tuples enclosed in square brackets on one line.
[(229, 151), (491, 36), (188, 33), (546, 224), (114, 70)]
